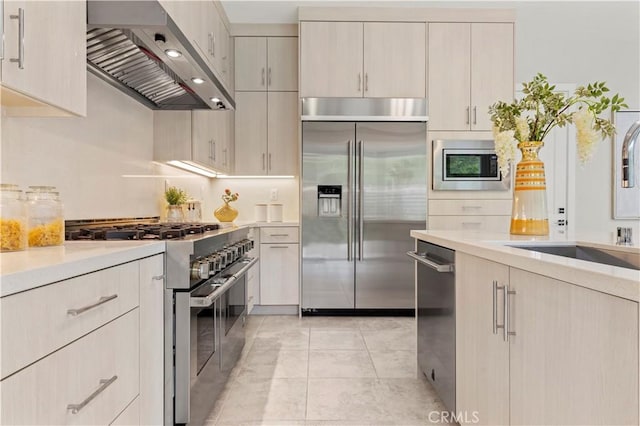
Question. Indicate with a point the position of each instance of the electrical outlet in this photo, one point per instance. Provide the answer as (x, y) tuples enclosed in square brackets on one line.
[(274, 194)]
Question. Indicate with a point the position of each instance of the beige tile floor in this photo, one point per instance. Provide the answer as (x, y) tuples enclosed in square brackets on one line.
[(327, 371)]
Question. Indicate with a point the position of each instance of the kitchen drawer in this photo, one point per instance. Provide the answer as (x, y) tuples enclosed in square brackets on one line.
[(469, 207), (279, 234), (42, 393), (468, 223), (37, 322)]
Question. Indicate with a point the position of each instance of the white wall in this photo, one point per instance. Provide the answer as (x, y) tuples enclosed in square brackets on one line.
[(582, 42), (87, 159), (258, 191)]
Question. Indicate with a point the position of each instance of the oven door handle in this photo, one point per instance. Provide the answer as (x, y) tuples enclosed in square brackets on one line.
[(219, 289), (440, 267), (207, 301)]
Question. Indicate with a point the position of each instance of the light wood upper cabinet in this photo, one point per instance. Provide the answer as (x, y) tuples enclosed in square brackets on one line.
[(251, 133), (482, 357), (354, 59), (570, 357), (394, 60), (492, 70), (266, 63), (200, 136), (39, 79), (449, 70), (266, 141), (331, 58), (470, 68), (282, 133)]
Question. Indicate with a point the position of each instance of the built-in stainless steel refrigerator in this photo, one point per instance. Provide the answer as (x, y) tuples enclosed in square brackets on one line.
[(363, 189)]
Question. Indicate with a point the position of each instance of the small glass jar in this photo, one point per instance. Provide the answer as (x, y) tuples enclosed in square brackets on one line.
[(46, 217), (13, 219)]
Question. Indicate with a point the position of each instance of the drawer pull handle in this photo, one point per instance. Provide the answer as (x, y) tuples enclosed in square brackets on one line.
[(158, 278), (471, 207), (104, 383), (103, 300), (284, 247), (279, 235)]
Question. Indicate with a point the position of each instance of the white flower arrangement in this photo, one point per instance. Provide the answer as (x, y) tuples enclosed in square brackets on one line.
[(541, 109)]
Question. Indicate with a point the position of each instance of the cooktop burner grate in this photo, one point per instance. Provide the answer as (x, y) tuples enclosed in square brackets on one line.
[(139, 231)]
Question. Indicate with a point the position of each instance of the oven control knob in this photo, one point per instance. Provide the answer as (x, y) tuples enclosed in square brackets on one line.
[(200, 270)]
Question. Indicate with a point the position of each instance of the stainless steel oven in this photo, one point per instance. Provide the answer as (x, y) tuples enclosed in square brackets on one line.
[(466, 165), (209, 309)]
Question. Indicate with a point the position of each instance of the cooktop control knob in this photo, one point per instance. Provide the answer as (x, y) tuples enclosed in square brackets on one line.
[(200, 270)]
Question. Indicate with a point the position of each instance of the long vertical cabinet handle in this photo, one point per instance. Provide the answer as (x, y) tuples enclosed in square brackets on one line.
[(264, 163), (269, 161), (269, 78), (507, 324), (366, 81), (214, 150), (263, 76), (475, 115), (20, 58), (359, 82), (360, 200), (468, 115), (350, 200), (210, 150), (496, 288)]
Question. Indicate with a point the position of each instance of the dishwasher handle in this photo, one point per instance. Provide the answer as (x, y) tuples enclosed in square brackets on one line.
[(440, 267)]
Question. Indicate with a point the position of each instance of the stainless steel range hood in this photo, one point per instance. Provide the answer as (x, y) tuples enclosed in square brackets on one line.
[(127, 43)]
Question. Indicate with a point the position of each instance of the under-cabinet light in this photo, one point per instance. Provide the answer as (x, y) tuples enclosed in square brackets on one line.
[(254, 177), (193, 168), (197, 80)]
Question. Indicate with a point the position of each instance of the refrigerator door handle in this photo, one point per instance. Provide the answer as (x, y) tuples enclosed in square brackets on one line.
[(349, 201), (360, 200)]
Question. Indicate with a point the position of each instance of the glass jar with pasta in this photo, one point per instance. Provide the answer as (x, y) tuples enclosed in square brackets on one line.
[(46, 216), (13, 219)]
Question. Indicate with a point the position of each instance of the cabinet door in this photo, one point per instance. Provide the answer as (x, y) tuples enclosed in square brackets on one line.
[(449, 76), (199, 27), (202, 143), (279, 266), (222, 124), (151, 340), (574, 358), (251, 63), (331, 59), (251, 133), (282, 63), (482, 356), (282, 133), (394, 60), (64, 83), (491, 70)]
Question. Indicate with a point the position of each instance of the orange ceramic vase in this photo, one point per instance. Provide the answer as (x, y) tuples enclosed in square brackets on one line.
[(529, 212)]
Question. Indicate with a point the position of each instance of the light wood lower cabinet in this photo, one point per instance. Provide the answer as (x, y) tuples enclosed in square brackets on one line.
[(279, 266), (570, 356), (574, 356), (151, 354), (89, 381), (482, 357)]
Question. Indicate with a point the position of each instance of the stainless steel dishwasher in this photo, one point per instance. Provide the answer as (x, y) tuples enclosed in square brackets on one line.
[(436, 318)]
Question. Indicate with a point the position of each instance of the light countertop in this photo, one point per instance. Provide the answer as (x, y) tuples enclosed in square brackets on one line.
[(265, 224), (24, 270), (617, 281)]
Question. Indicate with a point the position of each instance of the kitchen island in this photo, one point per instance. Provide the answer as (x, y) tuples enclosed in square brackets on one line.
[(540, 338)]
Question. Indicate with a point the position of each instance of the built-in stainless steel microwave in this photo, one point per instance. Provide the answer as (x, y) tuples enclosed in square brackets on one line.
[(466, 165)]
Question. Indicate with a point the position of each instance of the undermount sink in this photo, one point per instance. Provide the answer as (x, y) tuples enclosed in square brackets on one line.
[(590, 254)]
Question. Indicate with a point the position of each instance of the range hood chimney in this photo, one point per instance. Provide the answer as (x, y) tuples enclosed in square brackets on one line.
[(136, 47)]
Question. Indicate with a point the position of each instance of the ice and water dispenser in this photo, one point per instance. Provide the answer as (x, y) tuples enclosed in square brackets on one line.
[(329, 200)]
